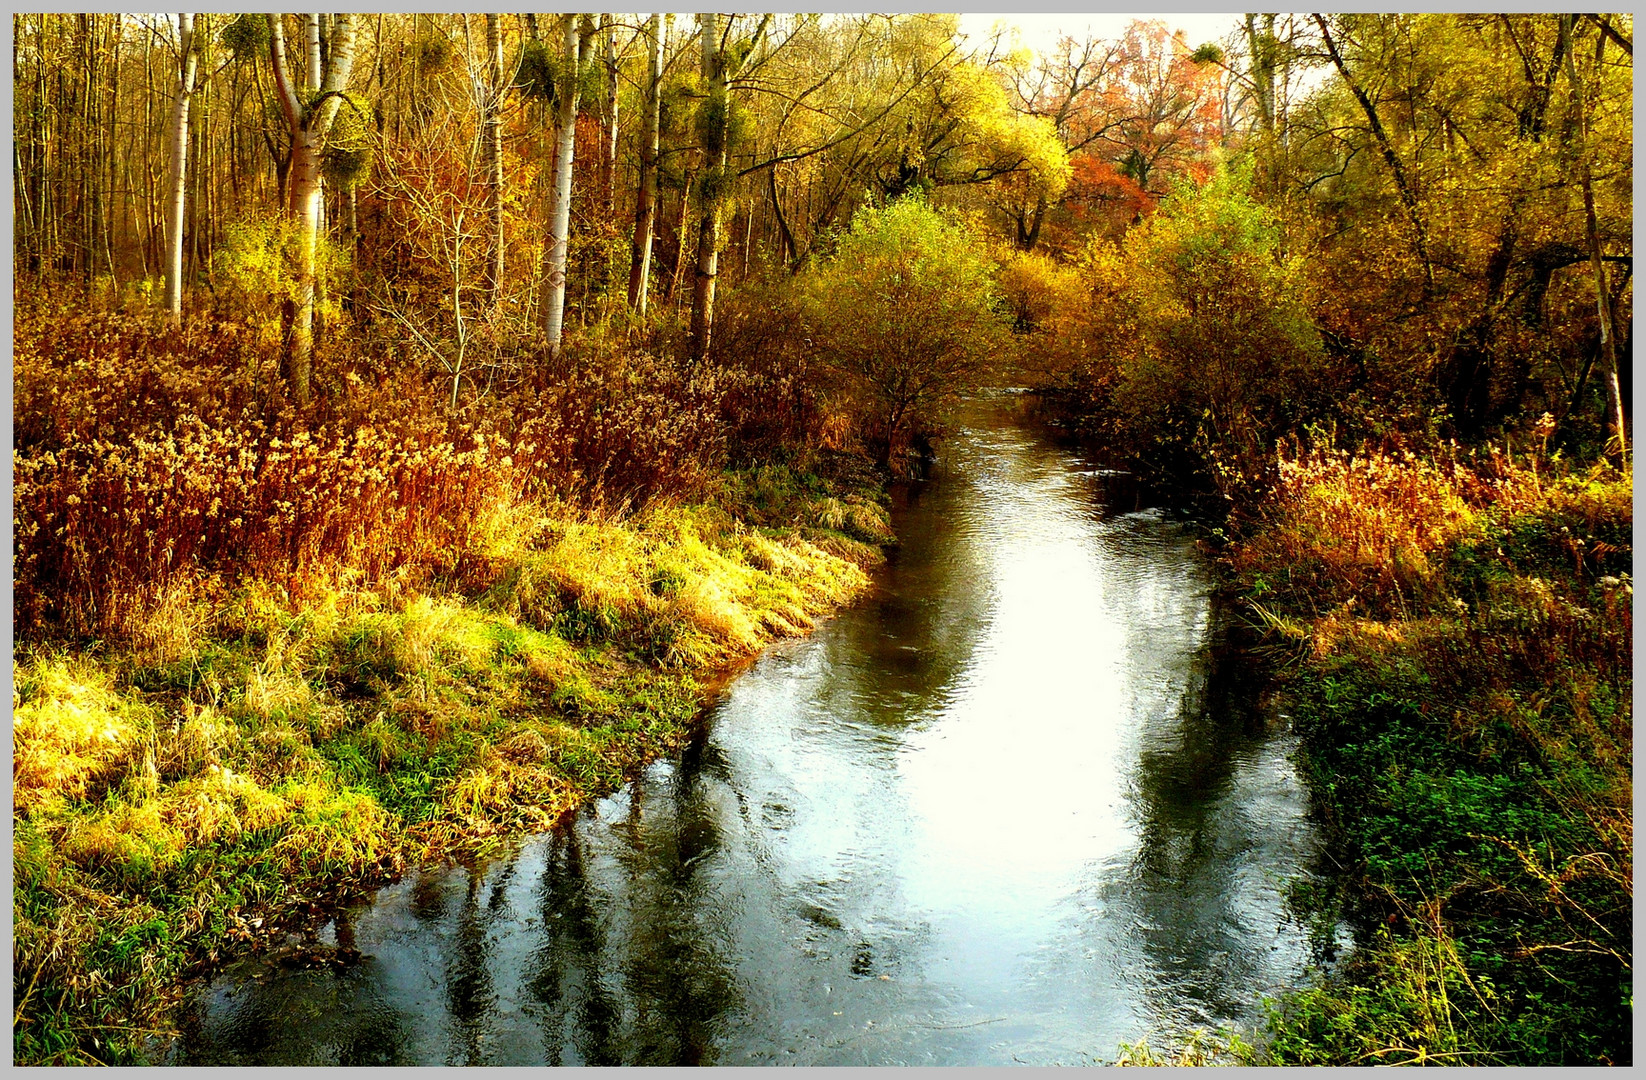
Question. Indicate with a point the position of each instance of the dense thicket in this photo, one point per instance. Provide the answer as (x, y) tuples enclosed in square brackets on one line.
[(1433, 240)]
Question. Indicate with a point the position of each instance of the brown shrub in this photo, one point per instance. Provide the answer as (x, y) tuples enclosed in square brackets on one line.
[(153, 464), (1365, 530)]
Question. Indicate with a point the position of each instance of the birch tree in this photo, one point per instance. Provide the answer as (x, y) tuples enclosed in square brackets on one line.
[(492, 124), (645, 205), (577, 30), (178, 157)]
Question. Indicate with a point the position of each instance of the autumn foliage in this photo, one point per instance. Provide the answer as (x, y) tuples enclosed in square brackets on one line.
[(153, 461)]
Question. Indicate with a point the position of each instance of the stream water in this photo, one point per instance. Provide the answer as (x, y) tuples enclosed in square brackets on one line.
[(1017, 806)]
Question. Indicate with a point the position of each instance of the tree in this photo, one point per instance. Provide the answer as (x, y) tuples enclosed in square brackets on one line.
[(841, 111), (309, 110), (176, 189), (1603, 303), (903, 312), (714, 124), (1494, 320), (1134, 114), (576, 33), (1209, 347), (1406, 188), (496, 87), (1060, 88), (438, 197), (1269, 60), (645, 203)]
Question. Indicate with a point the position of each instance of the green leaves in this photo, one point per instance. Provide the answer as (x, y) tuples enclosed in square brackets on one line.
[(905, 314), (246, 36)]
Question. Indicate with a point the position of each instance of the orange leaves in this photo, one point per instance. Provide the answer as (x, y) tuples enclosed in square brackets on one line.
[(1098, 183)]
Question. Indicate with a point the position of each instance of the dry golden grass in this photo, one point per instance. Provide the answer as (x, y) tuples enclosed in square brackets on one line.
[(70, 729), (1363, 530)]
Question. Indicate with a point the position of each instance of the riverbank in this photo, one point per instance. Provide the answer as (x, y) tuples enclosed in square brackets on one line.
[(1450, 633), (867, 855), (1453, 641), (181, 799)]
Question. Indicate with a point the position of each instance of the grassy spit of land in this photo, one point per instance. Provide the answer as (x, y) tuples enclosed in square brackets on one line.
[(266, 661)]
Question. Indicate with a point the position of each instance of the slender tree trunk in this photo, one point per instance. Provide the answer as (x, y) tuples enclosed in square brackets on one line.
[(199, 181), (645, 206), (1260, 42), (680, 232), (150, 251), (1603, 307), (789, 247), (1030, 223), (88, 150), (608, 118), (715, 185), (494, 154), (178, 173), (711, 190), (111, 151), (748, 238), (554, 261)]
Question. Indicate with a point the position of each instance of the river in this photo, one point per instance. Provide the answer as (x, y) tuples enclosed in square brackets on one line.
[(1018, 805)]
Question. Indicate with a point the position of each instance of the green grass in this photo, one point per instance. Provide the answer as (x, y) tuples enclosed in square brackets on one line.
[(1470, 747)]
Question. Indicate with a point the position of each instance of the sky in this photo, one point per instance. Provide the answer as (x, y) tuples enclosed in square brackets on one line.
[(1039, 31)]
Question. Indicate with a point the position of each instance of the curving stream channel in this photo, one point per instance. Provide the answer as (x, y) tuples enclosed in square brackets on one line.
[(1011, 808)]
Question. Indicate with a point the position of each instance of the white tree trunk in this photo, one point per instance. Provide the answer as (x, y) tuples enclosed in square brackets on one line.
[(494, 153), (305, 188), (311, 33), (560, 214), (645, 207), (178, 171)]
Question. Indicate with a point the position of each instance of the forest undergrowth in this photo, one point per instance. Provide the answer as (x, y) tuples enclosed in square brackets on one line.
[(1454, 640), (267, 660)]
